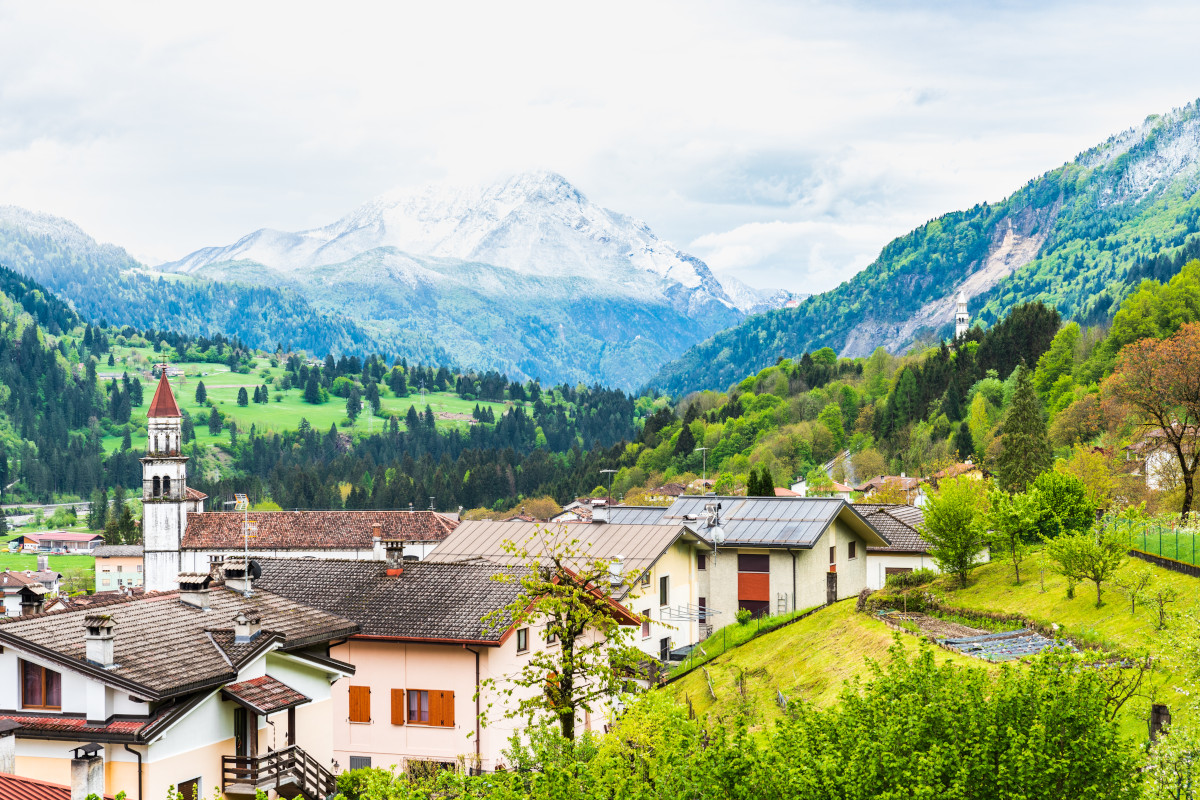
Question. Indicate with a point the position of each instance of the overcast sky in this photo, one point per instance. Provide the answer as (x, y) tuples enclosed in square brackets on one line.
[(783, 142)]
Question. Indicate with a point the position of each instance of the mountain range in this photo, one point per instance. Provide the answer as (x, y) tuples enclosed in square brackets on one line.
[(1079, 238)]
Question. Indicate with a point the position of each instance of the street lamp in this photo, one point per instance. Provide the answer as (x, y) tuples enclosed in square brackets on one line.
[(704, 469)]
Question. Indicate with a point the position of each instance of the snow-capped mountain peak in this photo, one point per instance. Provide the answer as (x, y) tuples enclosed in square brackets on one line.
[(535, 223)]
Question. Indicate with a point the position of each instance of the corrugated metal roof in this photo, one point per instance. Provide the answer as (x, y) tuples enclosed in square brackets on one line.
[(766, 521), (636, 515)]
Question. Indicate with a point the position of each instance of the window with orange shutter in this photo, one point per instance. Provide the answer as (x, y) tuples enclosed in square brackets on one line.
[(430, 707), (360, 703)]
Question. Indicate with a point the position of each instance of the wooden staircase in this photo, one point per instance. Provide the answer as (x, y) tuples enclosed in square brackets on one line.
[(289, 772)]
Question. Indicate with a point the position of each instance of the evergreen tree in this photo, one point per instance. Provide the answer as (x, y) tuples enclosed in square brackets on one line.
[(135, 392), (3, 468), (353, 404), (753, 485), (126, 440), (201, 393), (312, 391), (112, 362), (964, 443), (373, 397), (686, 443), (1024, 449), (214, 421), (412, 420), (98, 513), (243, 398)]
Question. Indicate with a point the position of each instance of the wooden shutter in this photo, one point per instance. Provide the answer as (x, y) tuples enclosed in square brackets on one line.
[(444, 705), (360, 703), (399, 710)]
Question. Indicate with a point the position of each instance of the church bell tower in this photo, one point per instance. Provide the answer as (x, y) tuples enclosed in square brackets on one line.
[(962, 320), (164, 491)]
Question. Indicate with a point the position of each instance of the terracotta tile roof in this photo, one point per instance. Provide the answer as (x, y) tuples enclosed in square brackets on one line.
[(781, 492), (427, 600), (194, 494), (898, 523), (163, 404), (118, 551), (313, 530), (265, 695), (669, 489), (903, 482), (62, 536), (16, 580), (164, 647), (14, 788)]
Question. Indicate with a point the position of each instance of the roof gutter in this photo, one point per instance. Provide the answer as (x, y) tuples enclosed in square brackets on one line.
[(426, 640)]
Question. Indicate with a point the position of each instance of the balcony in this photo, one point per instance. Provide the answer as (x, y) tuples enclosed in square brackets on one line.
[(289, 772)]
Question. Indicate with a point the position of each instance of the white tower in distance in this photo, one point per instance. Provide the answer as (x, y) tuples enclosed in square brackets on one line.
[(164, 491), (962, 320)]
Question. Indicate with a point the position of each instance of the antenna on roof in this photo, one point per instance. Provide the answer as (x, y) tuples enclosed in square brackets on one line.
[(242, 503), (431, 502)]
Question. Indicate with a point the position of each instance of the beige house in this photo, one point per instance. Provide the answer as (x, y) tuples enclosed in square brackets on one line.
[(669, 559), (118, 566), (204, 688), (421, 656)]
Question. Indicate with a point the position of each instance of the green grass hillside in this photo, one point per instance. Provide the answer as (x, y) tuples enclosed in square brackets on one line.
[(808, 660), (811, 659)]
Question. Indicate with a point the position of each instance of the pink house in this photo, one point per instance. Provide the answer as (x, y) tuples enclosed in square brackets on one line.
[(69, 541), (420, 657)]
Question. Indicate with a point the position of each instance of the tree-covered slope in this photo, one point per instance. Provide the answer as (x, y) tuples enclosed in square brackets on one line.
[(1079, 238)]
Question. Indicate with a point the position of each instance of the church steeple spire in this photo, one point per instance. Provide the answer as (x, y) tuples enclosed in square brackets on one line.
[(962, 320), (164, 489)]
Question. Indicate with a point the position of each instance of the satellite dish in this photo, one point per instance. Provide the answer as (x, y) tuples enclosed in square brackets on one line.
[(255, 569), (718, 534)]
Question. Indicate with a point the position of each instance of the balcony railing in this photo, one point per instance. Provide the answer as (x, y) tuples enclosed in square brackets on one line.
[(291, 772)]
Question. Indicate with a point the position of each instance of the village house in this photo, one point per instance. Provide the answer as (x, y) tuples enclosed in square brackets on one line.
[(26, 592), (668, 560), (1152, 458), (180, 536), (117, 566), (963, 469), (421, 656), (906, 551), (59, 542), (209, 687), (910, 488)]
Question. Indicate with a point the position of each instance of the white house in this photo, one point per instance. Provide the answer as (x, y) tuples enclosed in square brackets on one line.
[(204, 688)]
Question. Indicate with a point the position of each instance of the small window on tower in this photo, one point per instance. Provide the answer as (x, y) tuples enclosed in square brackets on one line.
[(166, 486), (157, 487)]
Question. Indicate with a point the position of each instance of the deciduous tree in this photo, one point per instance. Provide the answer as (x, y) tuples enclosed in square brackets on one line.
[(1159, 380), (953, 525)]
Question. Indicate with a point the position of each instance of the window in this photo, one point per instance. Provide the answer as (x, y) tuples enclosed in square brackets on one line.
[(120, 568), (40, 687), (429, 707), (646, 624), (360, 762), (139, 567), (157, 486), (701, 561), (166, 486), (360, 703), (754, 582), (664, 584), (522, 640), (664, 649), (703, 603), (833, 554), (190, 790), (551, 636), (645, 578), (754, 562), (853, 551)]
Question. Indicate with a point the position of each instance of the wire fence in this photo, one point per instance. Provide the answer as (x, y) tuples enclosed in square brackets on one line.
[(1163, 540), (732, 635)]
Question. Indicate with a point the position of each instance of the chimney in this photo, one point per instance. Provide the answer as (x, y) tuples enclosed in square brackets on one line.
[(98, 644), (616, 570), (8, 747), (193, 589), (237, 574), (87, 772), (599, 513), (31, 599), (246, 625), (43, 563), (377, 552)]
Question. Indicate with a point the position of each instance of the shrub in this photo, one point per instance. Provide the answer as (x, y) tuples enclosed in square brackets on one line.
[(906, 580), (744, 615)]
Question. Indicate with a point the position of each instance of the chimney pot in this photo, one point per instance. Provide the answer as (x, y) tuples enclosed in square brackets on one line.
[(194, 589), (98, 643), (247, 624)]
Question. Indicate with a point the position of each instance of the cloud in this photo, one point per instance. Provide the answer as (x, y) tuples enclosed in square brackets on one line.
[(790, 138)]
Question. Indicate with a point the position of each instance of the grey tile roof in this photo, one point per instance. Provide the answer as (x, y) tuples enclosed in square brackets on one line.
[(636, 515), (899, 523), (164, 647), (426, 600), (770, 521), (118, 551)]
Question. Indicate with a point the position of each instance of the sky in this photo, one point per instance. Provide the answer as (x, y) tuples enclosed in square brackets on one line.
[(782, 142)]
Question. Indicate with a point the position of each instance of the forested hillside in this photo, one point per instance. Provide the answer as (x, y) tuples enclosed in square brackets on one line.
[(1079, 238), (104, 282)]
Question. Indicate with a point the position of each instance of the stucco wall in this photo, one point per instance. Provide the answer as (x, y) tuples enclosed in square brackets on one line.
[(877, 563)]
